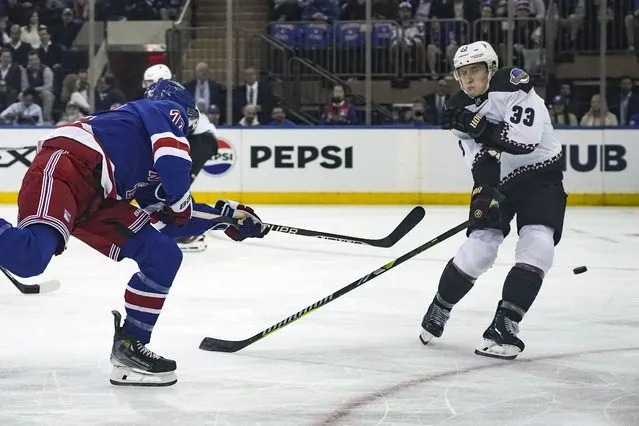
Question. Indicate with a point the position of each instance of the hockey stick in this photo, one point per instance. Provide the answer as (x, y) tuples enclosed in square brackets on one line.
[(45, 287), (407, 224), (219, 345)]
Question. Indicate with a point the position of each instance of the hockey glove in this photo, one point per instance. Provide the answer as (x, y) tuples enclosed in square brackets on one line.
[(484, 207), (178, 213), (459, 118), (250, 225)]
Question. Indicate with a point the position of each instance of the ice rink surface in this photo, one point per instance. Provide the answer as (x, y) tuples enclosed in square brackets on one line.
[(356, 361)]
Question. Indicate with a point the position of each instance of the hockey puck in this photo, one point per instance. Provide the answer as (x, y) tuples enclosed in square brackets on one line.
[(579, 270)]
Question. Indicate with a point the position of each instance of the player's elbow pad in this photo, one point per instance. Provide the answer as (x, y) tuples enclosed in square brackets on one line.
[(496, 136), (205, 139)]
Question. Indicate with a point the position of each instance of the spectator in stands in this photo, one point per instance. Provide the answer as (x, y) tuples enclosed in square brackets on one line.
[(83, 84), (321, 10), (51, 11), (141, 10), (71, 93), (536, 7), (13, 75), (279, 118), (454, 9), (407, 39), (421, 9), (570, 16), (25, 111), (597, 115), (527, 38), (66, 29), (630, 21), (169, 9), (559, 115), (417, 114), (205, 89), (435, 104), (50, 54), (250, 116), (625, 104), (19, 49), (252, 92), (355, 10), (40, 78), (491, 31), (71, 114), (286, 10), (339, 111), (447, 36), (4, 26), (566, 92), (5, 100), (81, 10), (30, 32), (18, 11), (214, 115), (108, 94)]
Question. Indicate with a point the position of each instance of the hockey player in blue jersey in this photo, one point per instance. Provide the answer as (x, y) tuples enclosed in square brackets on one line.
[(202, 144), (81, 183)]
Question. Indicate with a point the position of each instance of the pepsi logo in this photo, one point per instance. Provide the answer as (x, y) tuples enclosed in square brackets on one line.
[(223, 161)]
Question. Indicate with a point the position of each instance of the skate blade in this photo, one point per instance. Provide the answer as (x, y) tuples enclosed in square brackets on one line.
[(492, 350), (121, 376), (192, 248), (425, 337)]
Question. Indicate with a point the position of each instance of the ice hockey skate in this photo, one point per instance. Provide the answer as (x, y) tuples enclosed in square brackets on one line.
[(134, 364), (433, 322), (500, 338), (194, 244)]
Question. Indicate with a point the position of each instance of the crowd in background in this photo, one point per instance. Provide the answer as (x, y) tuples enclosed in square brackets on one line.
[(40, 83)]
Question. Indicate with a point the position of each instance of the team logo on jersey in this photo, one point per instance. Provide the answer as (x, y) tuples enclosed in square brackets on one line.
[(223, 161), (176, 118), (518, 76)]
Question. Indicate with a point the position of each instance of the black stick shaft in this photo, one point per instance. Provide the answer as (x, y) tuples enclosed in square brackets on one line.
[(23, 288), (219, 345)]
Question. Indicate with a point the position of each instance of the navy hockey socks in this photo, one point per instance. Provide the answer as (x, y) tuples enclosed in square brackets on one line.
[(159, 259), (453, 286), (27, 252)]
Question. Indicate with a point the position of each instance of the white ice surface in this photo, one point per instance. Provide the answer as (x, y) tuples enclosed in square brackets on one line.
[(356, 361)]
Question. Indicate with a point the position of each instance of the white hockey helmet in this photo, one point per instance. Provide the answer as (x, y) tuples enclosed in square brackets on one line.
[(155, 73), (475, 53)]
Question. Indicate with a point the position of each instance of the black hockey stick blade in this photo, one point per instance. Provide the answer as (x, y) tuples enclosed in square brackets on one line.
[(406, 225), (45, 287), (220, 345)]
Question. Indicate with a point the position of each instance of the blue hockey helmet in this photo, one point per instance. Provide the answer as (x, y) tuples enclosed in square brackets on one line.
[(171, 90)]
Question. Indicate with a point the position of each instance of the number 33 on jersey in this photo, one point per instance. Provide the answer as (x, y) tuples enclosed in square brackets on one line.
[(511, 99)]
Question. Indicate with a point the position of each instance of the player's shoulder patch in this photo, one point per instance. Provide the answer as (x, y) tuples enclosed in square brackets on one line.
[(459, 99), (511, 79)]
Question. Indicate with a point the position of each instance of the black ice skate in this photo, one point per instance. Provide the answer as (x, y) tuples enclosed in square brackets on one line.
[(134, 364), (434, 321), (500, 338)]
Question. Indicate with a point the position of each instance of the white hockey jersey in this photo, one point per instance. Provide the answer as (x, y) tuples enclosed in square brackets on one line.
[(204, 125), (526, 131)]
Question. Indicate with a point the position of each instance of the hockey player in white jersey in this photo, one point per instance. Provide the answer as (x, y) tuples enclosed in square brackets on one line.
[(509, 144), (203, 143)]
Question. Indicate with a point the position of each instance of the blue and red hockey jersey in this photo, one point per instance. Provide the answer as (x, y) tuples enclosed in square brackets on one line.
[(142, 143)]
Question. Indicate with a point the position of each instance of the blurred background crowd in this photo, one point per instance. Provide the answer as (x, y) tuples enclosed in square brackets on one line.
[(315, 62)]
